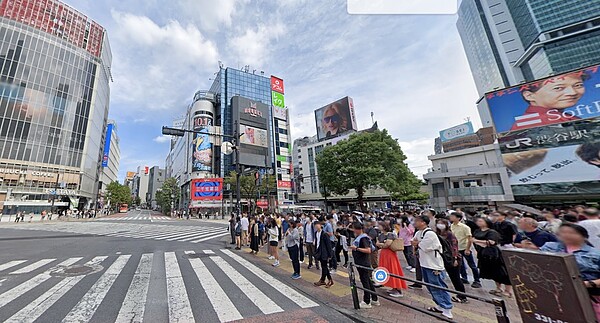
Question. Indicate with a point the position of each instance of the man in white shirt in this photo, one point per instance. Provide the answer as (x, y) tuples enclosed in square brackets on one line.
[(309, 239), (429, 251), (245, 225), (592, 225)]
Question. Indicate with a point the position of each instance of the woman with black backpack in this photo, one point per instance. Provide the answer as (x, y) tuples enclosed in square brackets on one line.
[(453, 269)]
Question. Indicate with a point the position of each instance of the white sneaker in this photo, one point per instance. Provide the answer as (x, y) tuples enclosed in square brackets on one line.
[(364, 305), (375, 303), (333, 271), (396, 294), (271, 258), (276, 264), (408, 267), (413, 270), (447, 313)]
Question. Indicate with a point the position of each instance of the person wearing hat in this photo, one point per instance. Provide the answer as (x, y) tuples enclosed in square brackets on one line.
[(574, 240)]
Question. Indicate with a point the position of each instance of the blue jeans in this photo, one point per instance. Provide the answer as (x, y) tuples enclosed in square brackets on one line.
[(294, 253), (440, 297), (472, 265)]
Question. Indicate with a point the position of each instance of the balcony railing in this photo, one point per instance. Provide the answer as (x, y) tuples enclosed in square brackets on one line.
[(474, 191)]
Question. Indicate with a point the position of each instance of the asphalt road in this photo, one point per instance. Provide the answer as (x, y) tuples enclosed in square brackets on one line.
[(141, 267)]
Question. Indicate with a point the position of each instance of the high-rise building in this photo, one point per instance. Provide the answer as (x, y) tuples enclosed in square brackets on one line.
[(54, 101), (508, 42), (156, 179), (111, 155), (250, 101), (140, 183)]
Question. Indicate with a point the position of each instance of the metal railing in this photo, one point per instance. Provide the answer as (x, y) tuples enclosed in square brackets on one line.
[(498, 303)]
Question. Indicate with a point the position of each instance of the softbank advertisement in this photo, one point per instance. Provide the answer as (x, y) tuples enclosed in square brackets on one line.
[(558, 99)]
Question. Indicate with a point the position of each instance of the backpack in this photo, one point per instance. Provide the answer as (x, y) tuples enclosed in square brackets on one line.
[(446, 249), (364, 235), (238, 228)]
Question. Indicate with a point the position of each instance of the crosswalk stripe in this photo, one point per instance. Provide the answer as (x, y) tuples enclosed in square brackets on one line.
[(189, 236), (26, 286), (265, 304), (87, 306), (287, 291), (35, 309), (221, 303), (33, 266), (132, 309), (11, 264), (208, 252), (210, 237), (180, 309)]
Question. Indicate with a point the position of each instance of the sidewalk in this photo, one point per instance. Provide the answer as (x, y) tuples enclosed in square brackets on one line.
[(340, 296)]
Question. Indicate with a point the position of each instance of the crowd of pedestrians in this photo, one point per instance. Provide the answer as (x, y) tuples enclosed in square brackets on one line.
[(461, 247)]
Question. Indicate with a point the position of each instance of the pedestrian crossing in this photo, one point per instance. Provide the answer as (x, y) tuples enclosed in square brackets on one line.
[(136, 218), (161, 232), (191, 286)]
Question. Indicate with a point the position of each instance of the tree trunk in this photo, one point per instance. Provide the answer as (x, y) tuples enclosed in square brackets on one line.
[(361, 192)]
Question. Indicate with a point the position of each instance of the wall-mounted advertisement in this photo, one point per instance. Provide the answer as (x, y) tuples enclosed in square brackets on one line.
[(558, 99), (459, 131), (570, 133), (335, 119), (207, 189), (280, 113), (253, 136), (277, 99), (252, 118), (277, 84), (574, 163), (106, 153), (201, 145)]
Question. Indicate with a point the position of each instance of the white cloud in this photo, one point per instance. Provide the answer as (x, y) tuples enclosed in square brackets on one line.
[(162, 139), (158, 67), (253, 46), (210, 14)]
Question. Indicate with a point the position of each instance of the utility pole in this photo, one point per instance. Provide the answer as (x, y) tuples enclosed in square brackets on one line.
[(238, 171)]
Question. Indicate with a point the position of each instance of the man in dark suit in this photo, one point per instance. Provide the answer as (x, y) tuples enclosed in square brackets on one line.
[(323, 253)]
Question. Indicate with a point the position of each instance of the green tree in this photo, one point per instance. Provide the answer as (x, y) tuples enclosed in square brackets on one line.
[(366, 160), (249, 186), (118, 194), (168, 193)]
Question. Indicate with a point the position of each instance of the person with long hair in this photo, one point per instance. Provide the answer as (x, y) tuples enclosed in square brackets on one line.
[(388, 259), (406, 232), (254, 236), (273, 232), (334, 121), (573, 239), (491, 265), (453, 270)]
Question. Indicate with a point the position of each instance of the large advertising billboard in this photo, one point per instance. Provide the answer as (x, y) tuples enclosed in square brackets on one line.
[(207, 189), (335, 119), (461, 130), (563, 98), (106, 152), (201, 145), (253, 124), (569, 152)]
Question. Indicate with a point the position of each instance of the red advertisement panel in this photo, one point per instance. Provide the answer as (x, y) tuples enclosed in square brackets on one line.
[(262, 203), (58, 19), (207, 189), (284, 184), (277, 84)]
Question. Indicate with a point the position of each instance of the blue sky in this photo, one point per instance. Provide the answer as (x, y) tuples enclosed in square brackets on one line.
[(410, 71)]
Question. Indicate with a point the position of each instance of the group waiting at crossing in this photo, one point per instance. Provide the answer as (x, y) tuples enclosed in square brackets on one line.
[(453, 247)]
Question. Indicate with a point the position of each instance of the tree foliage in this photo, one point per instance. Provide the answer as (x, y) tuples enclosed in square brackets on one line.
[(167, 195), (366, 160), (118, 194), (250, 189)]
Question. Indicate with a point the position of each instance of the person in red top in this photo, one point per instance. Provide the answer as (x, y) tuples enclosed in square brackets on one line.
[(548, 99)]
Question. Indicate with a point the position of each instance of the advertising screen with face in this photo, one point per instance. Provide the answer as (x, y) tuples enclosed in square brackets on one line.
[(557, 99), (253, 136), (334, 119)]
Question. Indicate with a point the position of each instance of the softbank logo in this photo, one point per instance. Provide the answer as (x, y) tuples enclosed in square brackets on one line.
[(528, 120), (403, 7)]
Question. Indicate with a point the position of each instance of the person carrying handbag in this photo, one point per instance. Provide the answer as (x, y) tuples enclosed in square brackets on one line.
[(388, 259)]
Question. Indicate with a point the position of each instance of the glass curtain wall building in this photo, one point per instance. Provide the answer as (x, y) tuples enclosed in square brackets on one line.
[(54, 100)]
